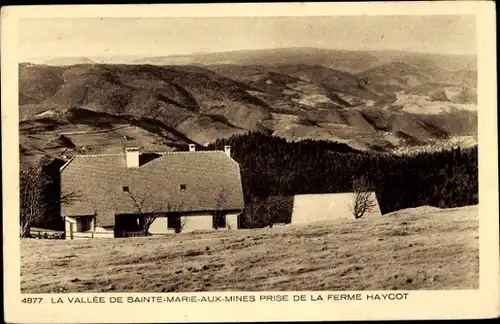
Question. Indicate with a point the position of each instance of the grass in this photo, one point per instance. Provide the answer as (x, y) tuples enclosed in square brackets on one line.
[(422, 248)]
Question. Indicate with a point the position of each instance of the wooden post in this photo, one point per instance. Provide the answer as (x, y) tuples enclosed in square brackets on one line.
[(93, 225)]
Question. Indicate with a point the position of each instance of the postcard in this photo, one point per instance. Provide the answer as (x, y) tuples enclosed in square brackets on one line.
[(250, 162)]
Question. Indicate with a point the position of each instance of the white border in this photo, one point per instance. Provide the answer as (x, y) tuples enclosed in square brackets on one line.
[(420, 305)]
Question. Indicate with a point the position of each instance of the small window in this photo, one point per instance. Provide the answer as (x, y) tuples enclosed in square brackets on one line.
[(183, 187), (125, 189), (83, 224)]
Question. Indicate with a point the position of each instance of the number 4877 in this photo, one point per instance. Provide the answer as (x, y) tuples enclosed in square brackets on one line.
[(30, 300)]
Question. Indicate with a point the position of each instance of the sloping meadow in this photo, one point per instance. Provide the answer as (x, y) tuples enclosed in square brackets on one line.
[(421, 248)]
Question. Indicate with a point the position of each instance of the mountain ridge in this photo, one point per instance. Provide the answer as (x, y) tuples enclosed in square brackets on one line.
[(348, 60), (380, 108)]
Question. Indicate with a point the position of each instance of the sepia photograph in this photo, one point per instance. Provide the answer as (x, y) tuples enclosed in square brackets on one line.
[(252, 153), (213, 162)]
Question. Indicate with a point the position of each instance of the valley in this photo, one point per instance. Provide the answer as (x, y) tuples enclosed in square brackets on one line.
[(381, 101)]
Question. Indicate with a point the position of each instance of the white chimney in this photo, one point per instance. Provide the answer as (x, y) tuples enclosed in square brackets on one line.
[(192, 147), (227, 150), (132, 156)]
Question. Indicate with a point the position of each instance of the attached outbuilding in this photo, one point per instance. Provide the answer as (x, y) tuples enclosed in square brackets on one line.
[(323, 207)]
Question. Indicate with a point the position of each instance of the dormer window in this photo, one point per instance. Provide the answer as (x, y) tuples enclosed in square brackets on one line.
[(125, 189), (183, 187)]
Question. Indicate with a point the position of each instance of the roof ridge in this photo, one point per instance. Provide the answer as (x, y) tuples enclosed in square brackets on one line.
[(104, 154), (181, 152), (333, 193), (145, 152)]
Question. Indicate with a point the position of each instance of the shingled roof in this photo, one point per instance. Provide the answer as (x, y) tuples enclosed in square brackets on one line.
[(95, 184)]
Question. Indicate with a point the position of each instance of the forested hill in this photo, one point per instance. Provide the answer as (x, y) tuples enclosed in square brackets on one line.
[(272, 166)]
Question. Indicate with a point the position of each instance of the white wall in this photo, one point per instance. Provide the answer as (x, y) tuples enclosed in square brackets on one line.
[(201, 222), (321, 207), (232, 221), (159, 226), (197, 222), (191, 223), (67, 227)]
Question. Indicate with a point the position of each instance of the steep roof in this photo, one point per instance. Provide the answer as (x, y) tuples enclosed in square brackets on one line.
[(95, 184)]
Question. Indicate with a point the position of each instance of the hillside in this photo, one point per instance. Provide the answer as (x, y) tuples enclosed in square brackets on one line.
[(457, 86), (422, 248), (81, 131), (383, 108)]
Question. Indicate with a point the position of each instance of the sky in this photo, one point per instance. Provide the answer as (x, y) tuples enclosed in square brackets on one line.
[(88, 37)]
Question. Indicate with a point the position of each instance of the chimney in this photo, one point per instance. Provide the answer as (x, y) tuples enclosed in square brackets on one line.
[(132, 156), (227, 150), (192, 147)]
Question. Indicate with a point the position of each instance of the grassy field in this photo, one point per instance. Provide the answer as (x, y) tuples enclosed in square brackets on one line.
[(422, 248)]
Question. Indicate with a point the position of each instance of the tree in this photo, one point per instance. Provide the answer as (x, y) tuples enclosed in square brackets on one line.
[(150, 211), (253, 210), (277, 209), (264, 211), (68, 197), (363, 201), (219, 207), (180, 228), (32, 185)]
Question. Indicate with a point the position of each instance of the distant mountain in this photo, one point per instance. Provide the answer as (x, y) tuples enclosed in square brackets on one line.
[(62, 61), (103, 107), (345, 60), (348, 60)]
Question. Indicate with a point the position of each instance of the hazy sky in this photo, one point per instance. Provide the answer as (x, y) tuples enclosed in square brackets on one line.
[(167, 36)]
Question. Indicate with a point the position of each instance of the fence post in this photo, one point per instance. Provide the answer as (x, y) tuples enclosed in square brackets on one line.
[(94, 225)]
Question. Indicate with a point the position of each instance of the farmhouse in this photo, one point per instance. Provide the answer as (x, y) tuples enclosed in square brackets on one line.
[(114, 195), (322, 207)]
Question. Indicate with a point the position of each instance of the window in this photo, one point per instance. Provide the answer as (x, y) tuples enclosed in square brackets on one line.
[(83, 224), (219, 220), (125, 189), (174, 221), (183, 187)]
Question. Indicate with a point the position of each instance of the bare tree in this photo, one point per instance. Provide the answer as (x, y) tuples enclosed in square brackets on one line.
[(150, 211), (149, 218), (254, 209), (67, 197), (363, 201), (220, 204), (32, 184)]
